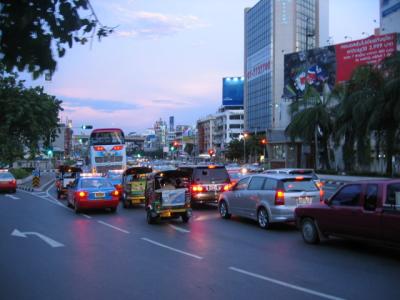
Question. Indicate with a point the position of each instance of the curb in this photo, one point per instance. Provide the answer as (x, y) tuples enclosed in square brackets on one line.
[(25, 188)]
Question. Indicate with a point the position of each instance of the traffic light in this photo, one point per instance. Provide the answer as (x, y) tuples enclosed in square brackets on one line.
[(176, 144), (264, 141), (211, 152), (87, 126), (172, 148), (50, 153)]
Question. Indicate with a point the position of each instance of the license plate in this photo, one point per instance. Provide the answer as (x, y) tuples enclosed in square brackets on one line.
[(165, 214), (213, 187), (304, 200), (99, 195)]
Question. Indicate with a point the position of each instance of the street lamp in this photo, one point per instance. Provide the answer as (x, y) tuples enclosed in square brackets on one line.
[(245, 135)]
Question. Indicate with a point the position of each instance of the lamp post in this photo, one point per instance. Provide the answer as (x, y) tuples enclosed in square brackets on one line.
[(245, 135)]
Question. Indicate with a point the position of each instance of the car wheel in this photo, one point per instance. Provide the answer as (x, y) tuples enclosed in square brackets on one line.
[(58, 195), (113, 209), (14, 191), (150, 219), (262, 218), (309, 231), (185, 218), (76, 208), (69, 204), (223, 210)]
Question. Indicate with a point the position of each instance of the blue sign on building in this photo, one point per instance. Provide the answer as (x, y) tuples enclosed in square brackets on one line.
[(232, 91)]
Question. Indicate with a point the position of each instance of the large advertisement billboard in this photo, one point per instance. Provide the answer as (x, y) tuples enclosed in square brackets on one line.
[(232, 91), (333, 64)]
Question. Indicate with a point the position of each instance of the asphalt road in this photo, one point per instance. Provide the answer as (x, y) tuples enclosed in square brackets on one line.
[(100, 255)]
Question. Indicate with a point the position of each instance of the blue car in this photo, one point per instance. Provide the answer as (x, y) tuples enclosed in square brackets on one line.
[(92, 191)]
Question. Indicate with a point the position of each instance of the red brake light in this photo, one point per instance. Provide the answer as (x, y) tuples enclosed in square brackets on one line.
[(279, 197), (321, 195), (117, 148), (99, 148), (118, 186), (299, 178), (319, 184), (197, 188), (211, 167), (115, 193), (82, 194), (226, 187)]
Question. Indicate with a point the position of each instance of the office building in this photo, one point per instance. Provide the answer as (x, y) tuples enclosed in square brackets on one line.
[(273, 28), (390, 16)]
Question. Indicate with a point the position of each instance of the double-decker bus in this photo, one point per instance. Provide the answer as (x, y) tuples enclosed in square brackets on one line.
[(107, 150)]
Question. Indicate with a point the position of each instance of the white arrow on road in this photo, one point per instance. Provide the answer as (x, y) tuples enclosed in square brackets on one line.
[(46, 239)]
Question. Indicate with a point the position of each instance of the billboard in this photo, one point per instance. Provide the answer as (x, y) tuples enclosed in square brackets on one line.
[(333, 64), (232, 91)]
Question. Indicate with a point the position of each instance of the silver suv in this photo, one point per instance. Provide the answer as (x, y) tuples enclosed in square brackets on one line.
[(269, 198)]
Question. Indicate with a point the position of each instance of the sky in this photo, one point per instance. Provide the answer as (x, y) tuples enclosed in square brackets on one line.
[(168, 58)]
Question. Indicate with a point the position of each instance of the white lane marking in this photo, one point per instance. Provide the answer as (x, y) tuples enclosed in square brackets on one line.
[(170, 248), (52, 243), (288, 285), (114, 227), (86, 216), (11, 196), (179, 229)]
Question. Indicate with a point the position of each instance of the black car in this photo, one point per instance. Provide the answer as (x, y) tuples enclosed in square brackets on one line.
[(207, 182)]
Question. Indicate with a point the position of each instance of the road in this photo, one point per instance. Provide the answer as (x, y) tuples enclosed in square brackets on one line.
[(100, 255)]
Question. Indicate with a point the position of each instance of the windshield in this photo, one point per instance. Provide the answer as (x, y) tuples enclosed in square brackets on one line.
[(107, 138), (299, 186), (218, 175), (6, 176), (96, 183)]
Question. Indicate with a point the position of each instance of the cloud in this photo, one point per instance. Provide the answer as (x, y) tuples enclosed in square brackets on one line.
[(73, 104), (152, 25)]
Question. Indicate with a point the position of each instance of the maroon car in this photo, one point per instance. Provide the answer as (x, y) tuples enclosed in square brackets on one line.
[(364, 209)]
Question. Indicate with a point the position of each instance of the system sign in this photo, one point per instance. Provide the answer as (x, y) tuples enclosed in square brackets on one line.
[(333, 64), (232, 91)]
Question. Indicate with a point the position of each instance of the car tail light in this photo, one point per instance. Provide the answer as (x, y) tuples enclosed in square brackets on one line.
[(319, 184), (115, 193), (226, 187), (279, 197), (118, 187), (117, 148), (321, 195), (299, 178), (81, 194), (99, 148), (197, 188), (13, 181)]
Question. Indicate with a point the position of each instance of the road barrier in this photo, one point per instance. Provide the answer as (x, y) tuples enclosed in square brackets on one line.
[(36, 181)]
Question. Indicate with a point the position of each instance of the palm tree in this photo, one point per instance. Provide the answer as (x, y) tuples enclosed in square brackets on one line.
[(311, 115), (354, 114)]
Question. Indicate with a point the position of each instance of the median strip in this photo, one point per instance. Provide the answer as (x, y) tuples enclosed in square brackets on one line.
[(172, 249), (288, 285)]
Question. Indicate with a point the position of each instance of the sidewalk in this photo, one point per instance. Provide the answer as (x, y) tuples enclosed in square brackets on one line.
[(46, 179)]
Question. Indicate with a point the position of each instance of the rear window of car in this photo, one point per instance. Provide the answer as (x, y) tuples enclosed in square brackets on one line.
[(299, 186), (393, 194), (6, 176), (204, 175), (95, 183)]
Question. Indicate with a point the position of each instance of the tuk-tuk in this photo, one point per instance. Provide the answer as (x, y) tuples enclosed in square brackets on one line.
[(64, 176), (168, 196), (133, 185)]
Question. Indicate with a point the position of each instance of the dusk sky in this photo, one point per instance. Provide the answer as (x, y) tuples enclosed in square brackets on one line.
[(168, 58)]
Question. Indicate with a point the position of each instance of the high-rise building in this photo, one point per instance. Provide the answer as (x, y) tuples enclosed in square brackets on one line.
[(273, 28), (390, 16)]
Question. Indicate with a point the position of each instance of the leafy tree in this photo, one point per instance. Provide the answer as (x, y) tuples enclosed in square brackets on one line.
[(29, 116), (312, 116), (189, 148), (235, 150), (32, 31)]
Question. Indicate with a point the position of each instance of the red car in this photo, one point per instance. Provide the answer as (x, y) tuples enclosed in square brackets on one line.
[(367, 210), (7, 181)]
